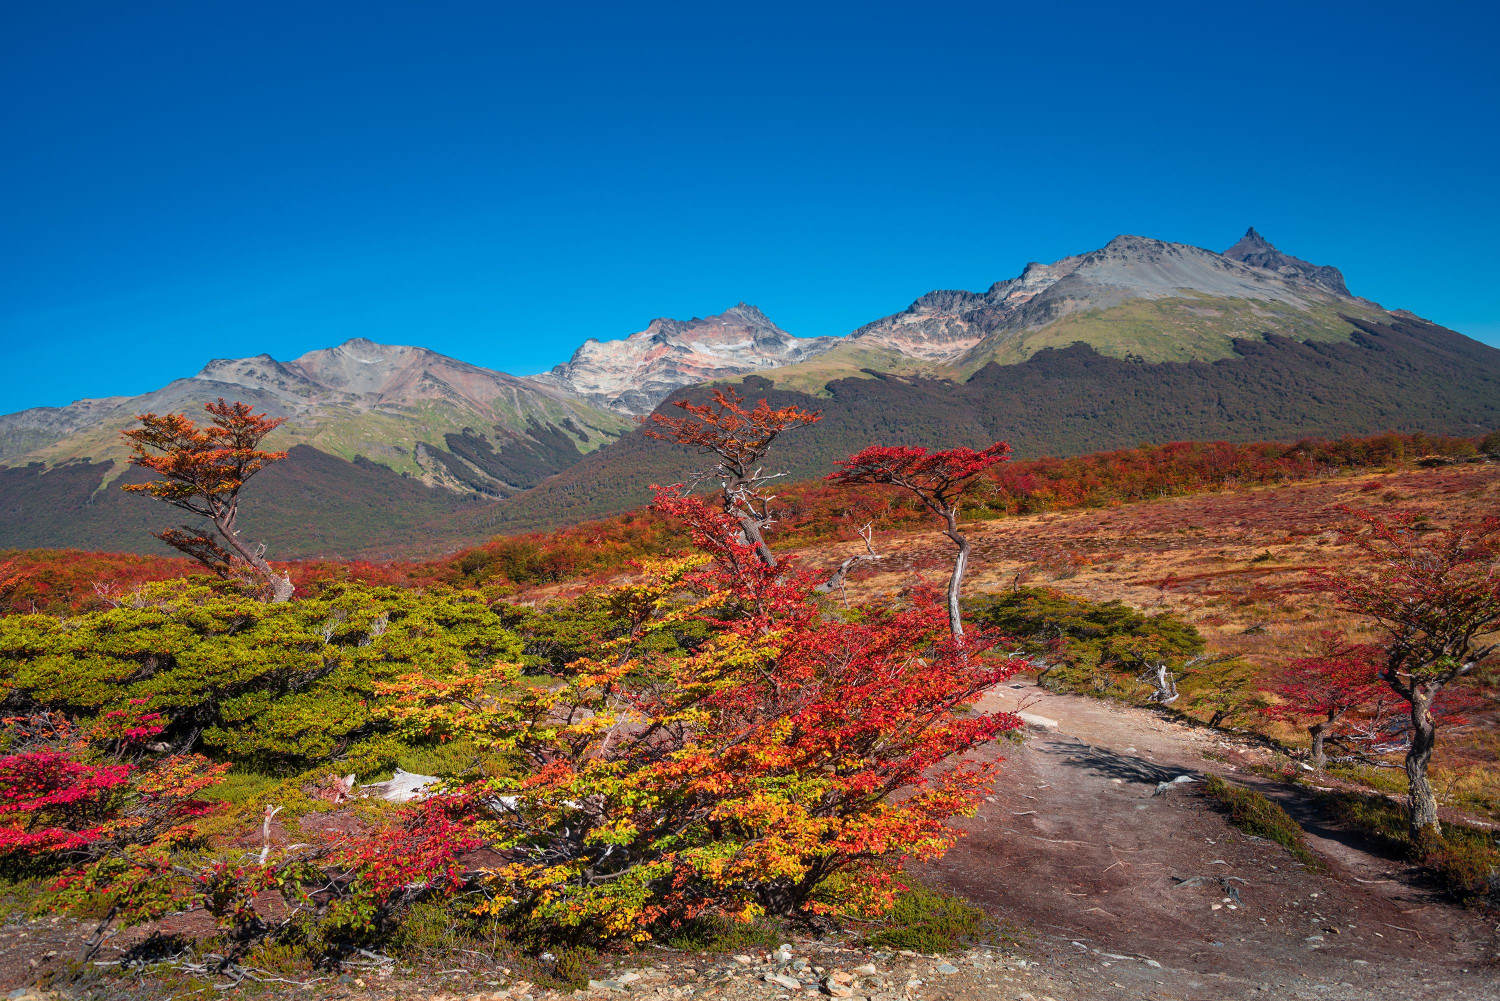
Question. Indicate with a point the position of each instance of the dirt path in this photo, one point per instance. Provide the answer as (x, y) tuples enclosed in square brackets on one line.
[(1078, 847)]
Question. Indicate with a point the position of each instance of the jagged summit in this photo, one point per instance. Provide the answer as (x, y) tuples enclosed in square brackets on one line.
[(1256, 251), (1135, 296), (634, 374), (1251, 242)]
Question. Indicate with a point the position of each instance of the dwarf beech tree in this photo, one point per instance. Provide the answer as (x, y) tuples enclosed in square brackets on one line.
[(1435, 595), (939, 479), (202, 470), (740, 438), (729, 779), (11, 579), (1336, 693)]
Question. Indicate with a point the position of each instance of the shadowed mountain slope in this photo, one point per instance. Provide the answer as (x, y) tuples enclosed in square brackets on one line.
[(1403, 375)]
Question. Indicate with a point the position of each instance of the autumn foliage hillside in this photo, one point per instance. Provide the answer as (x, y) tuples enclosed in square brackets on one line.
[(814, 511), (811, 512)]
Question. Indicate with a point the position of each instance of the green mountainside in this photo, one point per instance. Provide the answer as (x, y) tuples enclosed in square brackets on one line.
[(421, 414)]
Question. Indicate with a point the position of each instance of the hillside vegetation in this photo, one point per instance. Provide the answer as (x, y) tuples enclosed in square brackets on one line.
[(1405, 376)]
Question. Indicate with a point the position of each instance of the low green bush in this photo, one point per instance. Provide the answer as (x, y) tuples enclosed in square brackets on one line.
[(1254, 814), (928, 921), (278, 687), (724, 935)]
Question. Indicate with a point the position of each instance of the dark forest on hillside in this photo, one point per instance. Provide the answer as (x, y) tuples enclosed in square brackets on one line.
[(1408, 376)]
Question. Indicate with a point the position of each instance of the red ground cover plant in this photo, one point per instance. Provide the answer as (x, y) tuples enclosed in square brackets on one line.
[(65, 580)]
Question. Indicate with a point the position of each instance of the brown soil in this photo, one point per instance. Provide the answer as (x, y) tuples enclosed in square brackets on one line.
[(1077, 846)]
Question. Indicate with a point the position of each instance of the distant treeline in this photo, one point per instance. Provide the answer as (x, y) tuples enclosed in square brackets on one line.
[(814, 510), (55, 580)]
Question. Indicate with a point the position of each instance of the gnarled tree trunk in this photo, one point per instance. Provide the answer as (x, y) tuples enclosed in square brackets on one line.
[(1422, 816), (279, 583), (1318, 731)]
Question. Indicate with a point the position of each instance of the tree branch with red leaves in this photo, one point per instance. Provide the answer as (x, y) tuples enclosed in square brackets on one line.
[(740, 438), (202, 470), (939, 480), (1435, 595)]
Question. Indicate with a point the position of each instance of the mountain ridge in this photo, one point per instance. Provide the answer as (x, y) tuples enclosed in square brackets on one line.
[(1177, 324)]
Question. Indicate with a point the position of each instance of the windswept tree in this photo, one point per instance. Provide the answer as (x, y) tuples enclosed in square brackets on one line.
[(939, 480), (1435, 595), (202, 470), (740, 437)]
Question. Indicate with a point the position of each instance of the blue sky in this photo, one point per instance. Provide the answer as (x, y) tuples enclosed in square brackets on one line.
[(498, 182)]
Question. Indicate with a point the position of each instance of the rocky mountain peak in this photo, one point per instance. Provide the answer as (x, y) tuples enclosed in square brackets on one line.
[(1258, 252), (1251, 242), (635, 373)]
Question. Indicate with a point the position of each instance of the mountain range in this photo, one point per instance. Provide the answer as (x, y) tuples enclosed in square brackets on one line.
[(401, 449)]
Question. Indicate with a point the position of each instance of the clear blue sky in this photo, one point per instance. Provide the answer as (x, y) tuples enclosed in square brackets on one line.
[(496, 181)]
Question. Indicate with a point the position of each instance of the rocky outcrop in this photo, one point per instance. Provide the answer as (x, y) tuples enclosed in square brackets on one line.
[(1256, 251), (969, 328), (633, 375)]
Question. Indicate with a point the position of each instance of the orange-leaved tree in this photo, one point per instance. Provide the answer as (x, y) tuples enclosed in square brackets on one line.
[(733, 777), (202, 469), (939, 480), (1435, 596), (740, 437)]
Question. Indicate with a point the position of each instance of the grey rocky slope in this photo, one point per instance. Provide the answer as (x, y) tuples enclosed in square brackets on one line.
[(636, 373)]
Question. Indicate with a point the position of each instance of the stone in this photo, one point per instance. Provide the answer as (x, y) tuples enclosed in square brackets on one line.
[(947, 969), (781, 979), (867, 970)]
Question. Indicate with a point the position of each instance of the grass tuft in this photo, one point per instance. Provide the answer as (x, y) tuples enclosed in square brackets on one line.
[(725, 935), (1465, 860), (1254, 814), (928, 921)]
